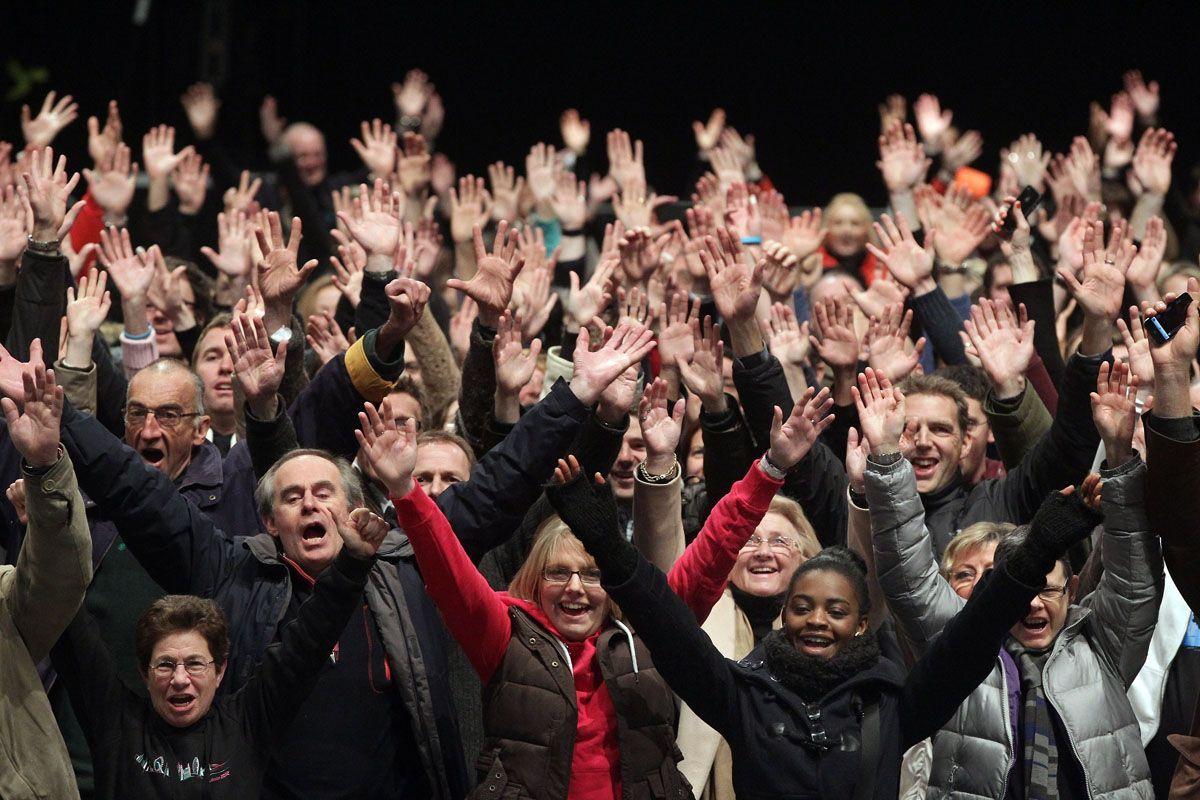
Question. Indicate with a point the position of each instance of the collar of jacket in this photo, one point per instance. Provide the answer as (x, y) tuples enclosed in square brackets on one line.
[(885, 672), (265, 548), (936, 499), (204, 471)]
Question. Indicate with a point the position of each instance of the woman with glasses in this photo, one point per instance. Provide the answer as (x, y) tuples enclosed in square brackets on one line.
[(176, 741)]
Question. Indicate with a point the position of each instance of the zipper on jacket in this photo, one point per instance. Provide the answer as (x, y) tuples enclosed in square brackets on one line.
[(1087, 780), (1008, 734)]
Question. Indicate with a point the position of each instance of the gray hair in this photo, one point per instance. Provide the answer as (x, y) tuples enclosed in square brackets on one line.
[(167, 366), (264, 493)]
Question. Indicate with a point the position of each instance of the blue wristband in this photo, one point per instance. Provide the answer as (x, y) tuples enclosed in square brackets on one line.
[(137, 337), (751, 240)]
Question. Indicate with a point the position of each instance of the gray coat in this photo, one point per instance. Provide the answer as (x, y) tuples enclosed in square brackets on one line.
[(1093, 660)]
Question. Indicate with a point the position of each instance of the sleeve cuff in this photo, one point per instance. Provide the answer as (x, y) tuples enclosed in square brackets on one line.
[(369, 383)]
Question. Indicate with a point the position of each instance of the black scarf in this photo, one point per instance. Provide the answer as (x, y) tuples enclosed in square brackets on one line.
[(760, 611), (813, 677)]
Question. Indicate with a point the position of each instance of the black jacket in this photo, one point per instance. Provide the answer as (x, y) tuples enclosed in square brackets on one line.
[(138, 755), (785, 747)]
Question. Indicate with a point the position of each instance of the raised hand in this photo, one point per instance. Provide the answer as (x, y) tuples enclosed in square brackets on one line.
[(1172, 361), (804, 234), (257, 370), (461, 323), (13, 372), (857, 450), (541, 170), (735, 285), (576, 131), (958, 233), (1083, 168), (889, 350), (362, 532), (636, 210), (709, 133), (241, 197), (406, 298), (374, 219), (590, 300), (834, 337), (376, 148), (514, 364), (569, 201), (279, 274), (201, 105), (413, 167), (932, 121), (1137, 347), (880, 411), (788, 341), (325, 337), (470, 208), (1144, 95), (34, 429), (902, 160), (44, 190), (40, 131), (1027, 160), (87, 308), (1152, 160), (14, 229), (1004, 346), (741, 148), (103, 141), (641, 253), (507, 188), (114, 180), (964, 150), (1103, 285), (348, 272), (704, 374), (233, 242), (625, 162), (791, 439), (269, 120), (390, 450), (662, 425), (131, 272), (413, 96), (909, 263), (1114, 411), (492, 285), (1146, 266), (190, 181), (676, 321), (596, 369), (158, 152)]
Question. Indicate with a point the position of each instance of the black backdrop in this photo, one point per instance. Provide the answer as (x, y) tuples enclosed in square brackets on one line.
[(805, 78)]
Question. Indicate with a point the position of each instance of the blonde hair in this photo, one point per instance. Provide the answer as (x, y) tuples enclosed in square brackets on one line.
[(306, 304), (852, 200), (553, 537), (791, 511), (971, 537)]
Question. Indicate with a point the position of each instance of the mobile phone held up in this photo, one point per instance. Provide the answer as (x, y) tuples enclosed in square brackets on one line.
[(1029, 199), (1163, 327)]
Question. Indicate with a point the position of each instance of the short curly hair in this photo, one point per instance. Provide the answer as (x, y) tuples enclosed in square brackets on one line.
[(177, 613)]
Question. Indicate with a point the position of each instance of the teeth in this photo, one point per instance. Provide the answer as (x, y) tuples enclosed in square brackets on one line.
[(763, 570)]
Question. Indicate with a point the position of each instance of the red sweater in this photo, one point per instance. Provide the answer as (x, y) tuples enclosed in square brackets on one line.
[(478, 617), (700, 575)]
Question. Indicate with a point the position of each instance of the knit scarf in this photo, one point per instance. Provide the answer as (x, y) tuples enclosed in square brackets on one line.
[(813, 677), (760, 611), (1040, 765)]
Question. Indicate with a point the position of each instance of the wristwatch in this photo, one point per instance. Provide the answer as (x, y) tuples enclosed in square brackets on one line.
[(49, 247)]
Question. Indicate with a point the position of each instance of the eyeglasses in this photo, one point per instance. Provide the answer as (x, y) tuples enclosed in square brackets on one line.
[(1052, 593), (168, 416), (781, 543), (194, 666), (589, 577)]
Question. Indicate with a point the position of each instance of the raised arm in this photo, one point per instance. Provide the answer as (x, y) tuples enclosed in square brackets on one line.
[(919, 597), (682, 652), (55, 563), (475, 615)]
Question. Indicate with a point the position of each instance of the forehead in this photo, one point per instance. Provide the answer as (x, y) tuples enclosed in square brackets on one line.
[(567, 553), (307, 471), (777, 523), (846, 212), (181, 644), (824, 585), (932, 408), (975, 410), (214, 340), (153, 389), (979, 554), (404, 405), (442, 457)]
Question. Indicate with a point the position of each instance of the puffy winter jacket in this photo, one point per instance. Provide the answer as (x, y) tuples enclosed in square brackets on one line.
[(1093, 660)]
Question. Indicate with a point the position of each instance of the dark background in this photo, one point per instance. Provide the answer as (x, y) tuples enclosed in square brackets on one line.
[(805, 79)]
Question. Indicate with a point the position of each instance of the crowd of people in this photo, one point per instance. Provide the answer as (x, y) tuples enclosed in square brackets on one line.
[(400, 483)]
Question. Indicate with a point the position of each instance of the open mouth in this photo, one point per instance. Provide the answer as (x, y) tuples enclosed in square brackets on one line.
[(624, 476), (313, 531), (181, 702), (1035, 627), (223, 387), (574, 610), (763, 569), (153, 455), (815, 644), (924, 466)]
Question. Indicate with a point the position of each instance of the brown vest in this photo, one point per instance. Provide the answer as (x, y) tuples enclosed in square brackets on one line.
[(529, 716)]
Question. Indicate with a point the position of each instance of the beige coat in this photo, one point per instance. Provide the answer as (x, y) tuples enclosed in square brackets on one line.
[(38, 599), (658, 535)]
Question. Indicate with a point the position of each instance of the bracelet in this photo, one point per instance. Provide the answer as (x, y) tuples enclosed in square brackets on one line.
[(649, 477), (772, 470), (572, 232), (751, 240), (137, 337), (49, 247)]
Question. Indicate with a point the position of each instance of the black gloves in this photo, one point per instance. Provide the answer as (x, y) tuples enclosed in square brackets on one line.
[(1061, 521), (591, 514)]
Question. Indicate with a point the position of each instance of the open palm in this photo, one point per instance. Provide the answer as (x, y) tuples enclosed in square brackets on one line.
[(390, 450)]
